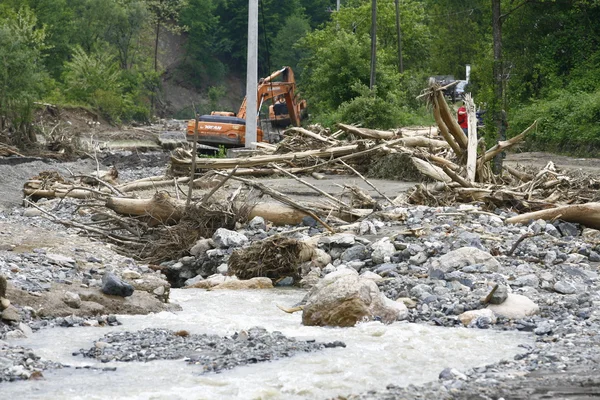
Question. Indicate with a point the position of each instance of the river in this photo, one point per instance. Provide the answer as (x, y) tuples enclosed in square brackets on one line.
[(376, 354)]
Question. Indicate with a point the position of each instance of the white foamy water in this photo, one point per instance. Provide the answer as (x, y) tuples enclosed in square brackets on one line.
[(376, 355)]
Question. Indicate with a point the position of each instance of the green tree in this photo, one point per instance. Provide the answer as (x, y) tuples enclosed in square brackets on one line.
[(285, 50), (22, 75)]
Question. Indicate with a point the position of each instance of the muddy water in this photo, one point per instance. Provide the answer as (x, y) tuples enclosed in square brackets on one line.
[(376, 355)]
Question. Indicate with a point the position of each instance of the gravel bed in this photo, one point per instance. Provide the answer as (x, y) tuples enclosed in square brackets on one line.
[(19, 363), (213, 353)]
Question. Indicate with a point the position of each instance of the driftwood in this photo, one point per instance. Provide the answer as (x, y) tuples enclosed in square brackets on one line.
[(472, 138), (366, 133), (585, 214)]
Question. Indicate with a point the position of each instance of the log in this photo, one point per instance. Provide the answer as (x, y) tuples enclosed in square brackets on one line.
[(522, 176), (161, 208), (431, 170), (506, 144), (585, 214), (422, 141), (450, 121), (277, 213), (227, 163), (367, 133), (472, 138), (444, 131), (306, 132), (54, 193)]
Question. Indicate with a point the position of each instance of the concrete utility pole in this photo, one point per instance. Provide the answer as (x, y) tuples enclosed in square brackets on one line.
[(252, 73), (337, 5), (373, 42)]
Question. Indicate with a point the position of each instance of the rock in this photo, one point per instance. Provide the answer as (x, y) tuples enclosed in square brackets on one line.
[(466, 256), (320, 258), (544, 328), (237, 284), (499, 295), (530, 280), (594, 256), (114, 286), (448, 374), (32, 212), (4, 303), (515, 307), (565, 287), (224, 238), (25, 329), (469, 316), (372, 276), (11, 314), (356, 252), (311, 279), (408, 302), (342, 298), (567, 228), (60, 259), (222, 269), (3, 286), (382, 249), (72, 299), (192, 281), (201, 247), (130, 274), (339, 239), (285, 282), (209, 282), (153, 284), (257, 223)]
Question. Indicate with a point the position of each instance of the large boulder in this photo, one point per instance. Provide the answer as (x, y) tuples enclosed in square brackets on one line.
[(515, 307), (342, 298), (114, 286), (466, 256)]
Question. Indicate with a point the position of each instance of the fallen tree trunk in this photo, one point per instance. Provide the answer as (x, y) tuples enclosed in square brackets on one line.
[(507, 144), (450, 121), (430, 170), (161, 208), (444, 131), (585, 214), (367, 133), (421, 141), (227, 163)]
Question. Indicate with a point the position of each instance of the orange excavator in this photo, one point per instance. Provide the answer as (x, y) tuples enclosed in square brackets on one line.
[(229, 129)]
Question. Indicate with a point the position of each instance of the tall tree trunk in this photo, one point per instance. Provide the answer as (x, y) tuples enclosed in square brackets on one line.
[(153, 96), (399, 35), (373, 42), (499, 113)]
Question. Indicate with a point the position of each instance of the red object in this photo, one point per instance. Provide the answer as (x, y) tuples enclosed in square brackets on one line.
[(462, 117)]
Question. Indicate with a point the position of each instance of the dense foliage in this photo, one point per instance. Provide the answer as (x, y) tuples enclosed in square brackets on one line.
[(105, 55)]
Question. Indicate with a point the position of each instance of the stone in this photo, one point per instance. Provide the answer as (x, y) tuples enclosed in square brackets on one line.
[(463, 257), (311, 279), (408, 302), (372, 276), (237, 284), (567, 228), (499, 295), (342, 298), (530, 280), (4, 303), (32, 212), (550, 257), (130, 274), (72, 299), (515, 307), (469, 316), (155, 285), (207, 283), (222, 269), (27, 331), (382, 249), (594, 256), (285, 282), (114, 286), (565, 287), (11, 314), (356, 252), (339, 239), (257, 223), (193, 281), (60, 259), (544, 328), (224, 238), (201, 247), (418, 259), (320, 258)]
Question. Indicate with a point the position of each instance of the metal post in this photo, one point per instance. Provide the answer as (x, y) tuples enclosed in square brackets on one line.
[(373, 42), (252, 73)]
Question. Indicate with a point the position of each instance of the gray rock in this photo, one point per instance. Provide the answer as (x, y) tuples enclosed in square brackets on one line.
[(193, 280), (594, 257), (418, 259), (565, 287), (11, 314), (530, 280), (201, 247), (3, 285), (32, 212), (114, 286), (224, 238), (72, 299), (544, 328), (499, 295), (356, 252), (339, 239), (567, 228), (465, 256), (515, 307), (550, 257), (223, 268), (551, 230), (382, 249), (257, 223)]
